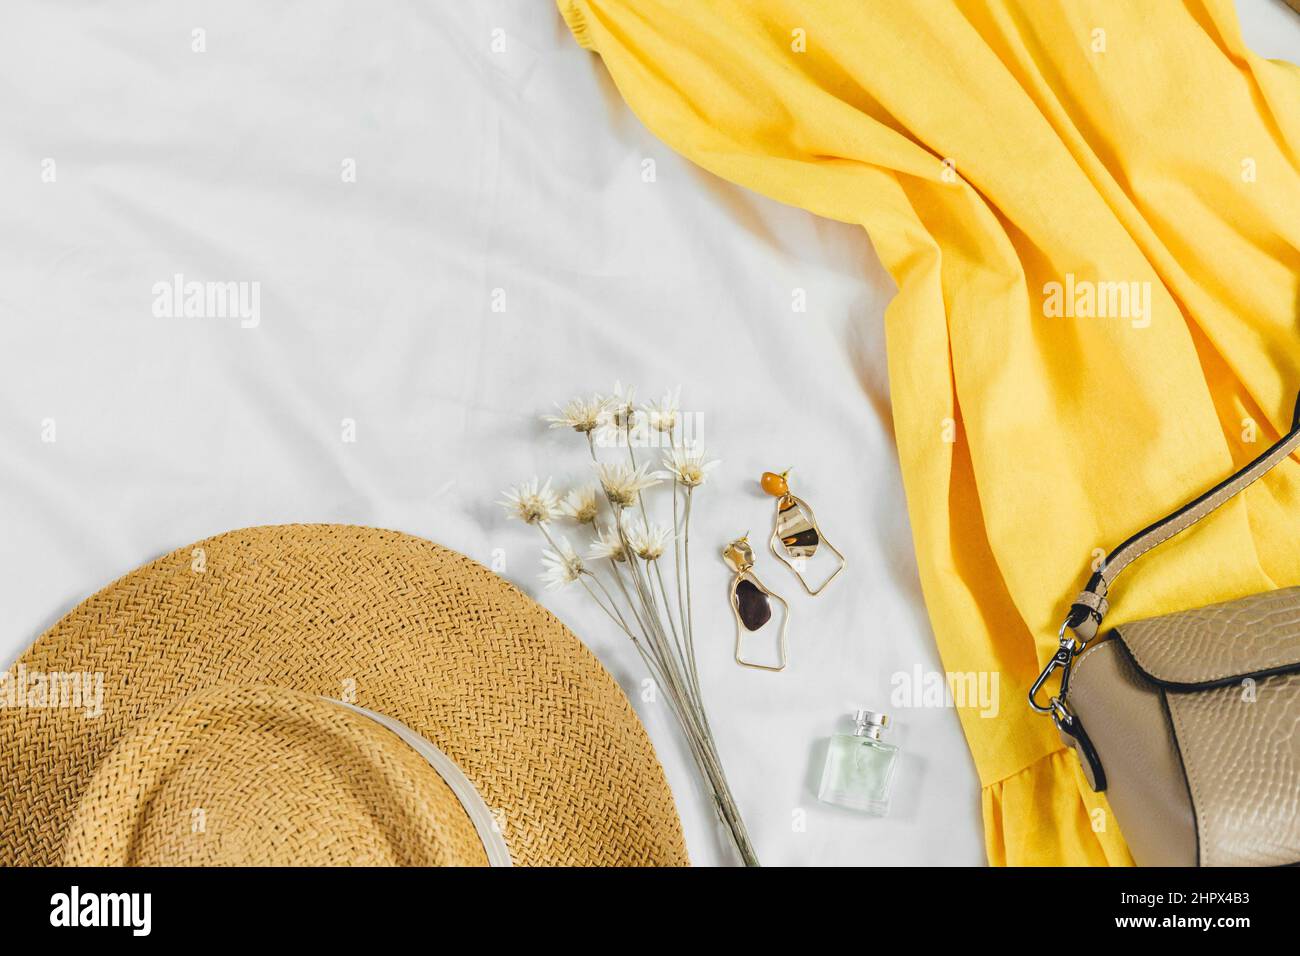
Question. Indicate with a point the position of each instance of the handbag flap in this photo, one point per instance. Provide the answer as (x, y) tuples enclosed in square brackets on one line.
[(1219, 644)]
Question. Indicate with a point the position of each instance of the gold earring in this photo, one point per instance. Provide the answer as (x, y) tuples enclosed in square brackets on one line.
[(796, 529), (751, 601)]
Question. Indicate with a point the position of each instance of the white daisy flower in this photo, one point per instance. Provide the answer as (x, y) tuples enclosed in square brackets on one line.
[(623, 484), (649, 541), (608, 546), (563, 566), (581, 504), (581, 414), (687, 466), (622, 405), (619, 422), (531, 503), (663, 416)]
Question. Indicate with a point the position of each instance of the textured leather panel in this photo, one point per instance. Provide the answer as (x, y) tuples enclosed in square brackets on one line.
[(1122, 712), (1242, 759), (1222, 641)]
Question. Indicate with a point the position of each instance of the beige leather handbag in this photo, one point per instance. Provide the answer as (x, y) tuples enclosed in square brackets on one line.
[(1190, 722)]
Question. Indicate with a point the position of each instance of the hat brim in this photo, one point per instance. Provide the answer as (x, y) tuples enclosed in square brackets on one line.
[(387, 621)]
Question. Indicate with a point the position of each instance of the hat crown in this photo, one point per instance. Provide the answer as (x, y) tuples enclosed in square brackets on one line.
[(253, 775)]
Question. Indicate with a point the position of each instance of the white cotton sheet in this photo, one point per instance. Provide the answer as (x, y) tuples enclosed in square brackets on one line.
[(481, 177)]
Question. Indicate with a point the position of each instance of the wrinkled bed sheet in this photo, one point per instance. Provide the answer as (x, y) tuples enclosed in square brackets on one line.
[(452, 221)]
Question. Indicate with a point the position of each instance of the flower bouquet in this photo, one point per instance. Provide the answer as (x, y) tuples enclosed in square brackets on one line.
[(622, 567)]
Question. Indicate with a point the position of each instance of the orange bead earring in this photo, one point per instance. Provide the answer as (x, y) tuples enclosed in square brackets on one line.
[(796, 530)]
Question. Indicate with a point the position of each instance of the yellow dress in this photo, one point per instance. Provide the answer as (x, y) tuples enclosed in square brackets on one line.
[(1092, 213)]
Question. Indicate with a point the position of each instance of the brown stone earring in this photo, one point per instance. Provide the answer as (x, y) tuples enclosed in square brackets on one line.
[(751, 602), (796, 530)]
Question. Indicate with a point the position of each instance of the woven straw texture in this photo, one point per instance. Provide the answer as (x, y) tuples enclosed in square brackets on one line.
[(275, 777), (393, 623)]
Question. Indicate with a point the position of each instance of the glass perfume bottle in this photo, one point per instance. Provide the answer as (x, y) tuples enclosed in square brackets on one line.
[(860, 766)]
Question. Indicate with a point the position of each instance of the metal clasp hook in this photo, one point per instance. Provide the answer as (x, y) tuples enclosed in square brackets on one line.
[(1062, 660)]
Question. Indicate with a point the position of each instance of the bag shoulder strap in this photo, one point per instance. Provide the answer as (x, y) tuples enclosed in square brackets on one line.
[(1088, 609), (1090, 606)]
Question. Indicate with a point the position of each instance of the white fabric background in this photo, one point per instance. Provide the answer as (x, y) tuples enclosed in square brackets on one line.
[(518, 170)]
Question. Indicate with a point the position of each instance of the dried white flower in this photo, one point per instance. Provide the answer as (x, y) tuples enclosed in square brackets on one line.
[(563, 566), (620, 424), (663, 416), (580, 414), (608, 546), (687, 466), (530, 503), (581, 504), (623, 484), (649, 540), (622, 406)]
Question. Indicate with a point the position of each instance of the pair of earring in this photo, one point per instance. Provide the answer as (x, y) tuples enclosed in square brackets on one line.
[(799, 537)]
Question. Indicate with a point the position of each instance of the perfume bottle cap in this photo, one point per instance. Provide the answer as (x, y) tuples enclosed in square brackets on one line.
[(869, 723)]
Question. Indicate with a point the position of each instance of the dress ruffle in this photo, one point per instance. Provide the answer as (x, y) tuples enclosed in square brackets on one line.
[(1047, 815)]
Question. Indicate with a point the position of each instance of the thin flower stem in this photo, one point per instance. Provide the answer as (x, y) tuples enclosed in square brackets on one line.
[(717, 788), (648, 621), (656, 674), (618, 579), (656, 668), (618, 526), (547, 535), (660, 637), (651, 622), (631, 457), (613, 614), (645, 523), (663, 588), (677, 558), (612, 603), (668, 613), (690, 613), (549, 540), (643, 590), (692, 687), (688, 650), (665, 674)]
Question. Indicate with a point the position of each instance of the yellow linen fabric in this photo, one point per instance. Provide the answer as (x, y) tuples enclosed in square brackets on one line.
[(991, 149)]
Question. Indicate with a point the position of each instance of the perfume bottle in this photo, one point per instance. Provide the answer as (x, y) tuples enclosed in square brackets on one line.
[(860, 766)]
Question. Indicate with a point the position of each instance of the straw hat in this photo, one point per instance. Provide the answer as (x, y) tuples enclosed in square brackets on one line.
[(322, 694)]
